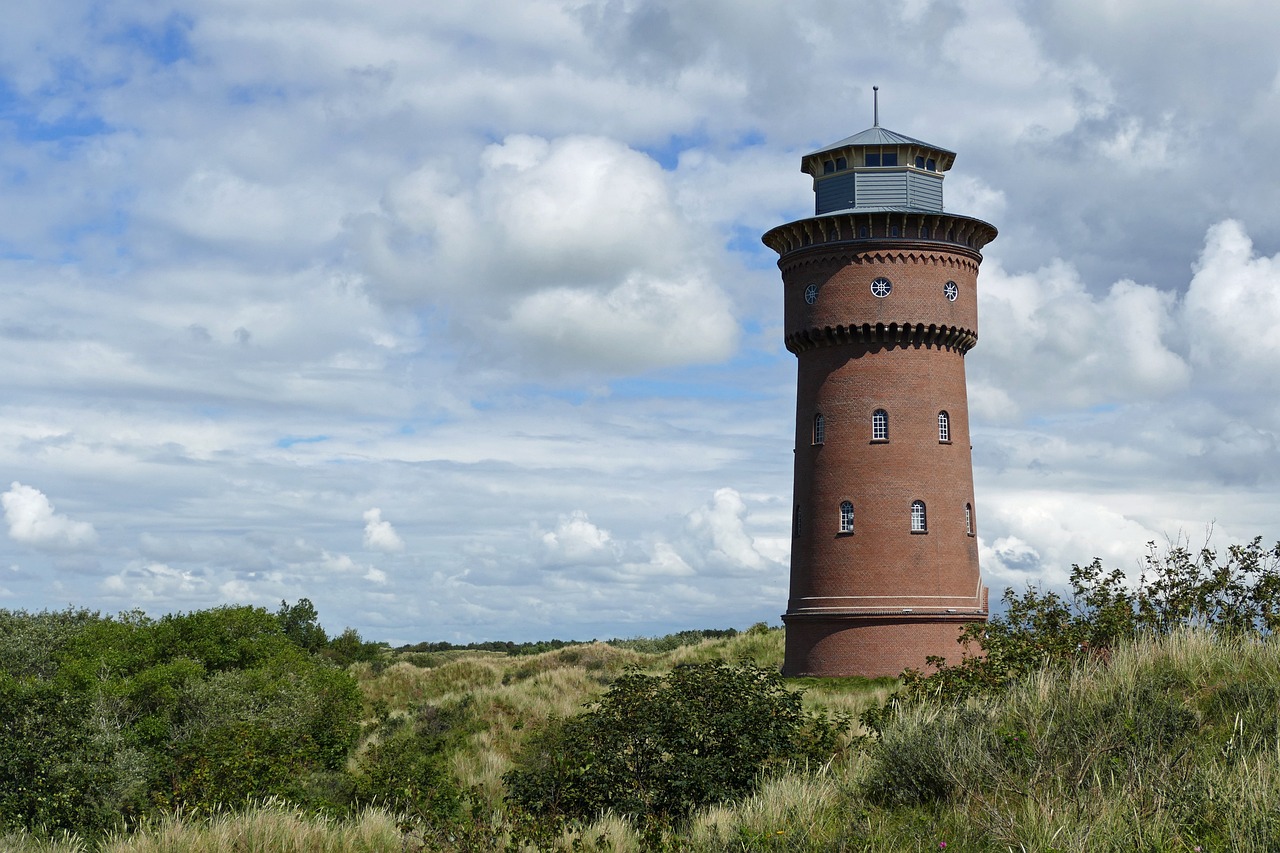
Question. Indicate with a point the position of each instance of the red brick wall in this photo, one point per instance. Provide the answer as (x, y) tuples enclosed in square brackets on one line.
[(881, 598)]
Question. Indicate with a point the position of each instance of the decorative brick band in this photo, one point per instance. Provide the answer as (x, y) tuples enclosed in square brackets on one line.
[(844, 254), (880, 334), (912, 229)]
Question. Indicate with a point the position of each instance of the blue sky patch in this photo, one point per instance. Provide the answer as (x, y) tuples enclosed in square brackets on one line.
[(291, 440)]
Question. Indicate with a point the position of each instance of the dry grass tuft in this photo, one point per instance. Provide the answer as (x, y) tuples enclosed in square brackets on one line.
[(269, 828)]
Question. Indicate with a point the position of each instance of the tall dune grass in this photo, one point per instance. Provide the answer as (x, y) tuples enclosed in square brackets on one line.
[(269, 828)]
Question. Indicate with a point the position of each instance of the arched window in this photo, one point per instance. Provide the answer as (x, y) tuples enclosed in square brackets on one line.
[(819, 429), (918, 523), (944, 427), (879, 425), (846, 517), (795, 524), (968, 519)]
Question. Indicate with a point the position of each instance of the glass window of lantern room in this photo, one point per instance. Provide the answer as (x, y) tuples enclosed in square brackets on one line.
[(841, 164), (846, 517), (880, 425), (917, 517), (889, 158), (828, 167), (819, 429), (944, 426), (931, 164), (919, 162), (873, 158)]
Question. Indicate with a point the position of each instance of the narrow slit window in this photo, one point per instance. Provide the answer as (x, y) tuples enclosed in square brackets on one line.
[(846, 517), (944, 426), (968, 519), (819, 429), (795, 522), (918, 522), (880, 425)]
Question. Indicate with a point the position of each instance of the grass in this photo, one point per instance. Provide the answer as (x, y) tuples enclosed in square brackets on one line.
[(1171, 745)]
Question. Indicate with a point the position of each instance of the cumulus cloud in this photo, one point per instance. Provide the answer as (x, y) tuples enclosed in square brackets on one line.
[(719, 529), (571, 249), (32, 521), (1045, 335), (379, 535), (1232, 310), (156, 582), (576, 540), (342, 564)]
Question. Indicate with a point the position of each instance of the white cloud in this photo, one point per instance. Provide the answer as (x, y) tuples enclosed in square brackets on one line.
[(720, 530), (1232, 311), (1045, 335), (577, 540), (571, 250), (150, 583), (32, 521), (379, 535)]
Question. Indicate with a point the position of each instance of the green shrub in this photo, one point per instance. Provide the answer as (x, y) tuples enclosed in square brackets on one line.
[(655, 747), (405, 766)]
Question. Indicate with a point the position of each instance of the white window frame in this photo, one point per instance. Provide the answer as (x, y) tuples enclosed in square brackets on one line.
[(819, 429), (846, 517), (919, 519), (944, 426), (879, 425), (968, 519)]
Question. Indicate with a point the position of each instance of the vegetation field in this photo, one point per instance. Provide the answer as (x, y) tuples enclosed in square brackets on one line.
[(1114, 717)]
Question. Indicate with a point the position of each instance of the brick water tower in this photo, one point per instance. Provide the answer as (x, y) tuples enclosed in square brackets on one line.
[(881, 304)]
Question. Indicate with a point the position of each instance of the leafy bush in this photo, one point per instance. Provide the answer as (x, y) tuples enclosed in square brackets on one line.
[(108, 720), (655, 747), (1235, 593), (405, 766)]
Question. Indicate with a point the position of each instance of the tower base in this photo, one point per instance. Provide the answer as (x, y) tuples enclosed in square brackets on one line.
[(870, 645)]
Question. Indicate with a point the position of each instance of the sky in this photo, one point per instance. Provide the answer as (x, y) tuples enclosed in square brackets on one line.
[(454, 317)]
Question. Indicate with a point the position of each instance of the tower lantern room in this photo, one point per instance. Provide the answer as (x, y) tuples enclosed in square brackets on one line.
[(877, 169)]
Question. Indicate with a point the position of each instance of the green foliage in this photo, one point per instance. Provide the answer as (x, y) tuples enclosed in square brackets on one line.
[(405, 765), (1235, 593), (655, 747), (301, 624), (670, 642), (110, 719)]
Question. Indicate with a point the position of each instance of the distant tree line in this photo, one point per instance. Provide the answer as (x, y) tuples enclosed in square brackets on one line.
[(640, 644)]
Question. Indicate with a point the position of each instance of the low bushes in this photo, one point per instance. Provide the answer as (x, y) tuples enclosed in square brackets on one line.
[(656, 747)]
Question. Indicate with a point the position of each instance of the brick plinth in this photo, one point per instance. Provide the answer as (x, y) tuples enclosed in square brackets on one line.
[(870, 646)]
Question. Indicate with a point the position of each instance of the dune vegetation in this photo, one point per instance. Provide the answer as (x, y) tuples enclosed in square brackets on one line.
[(1115, 716)]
